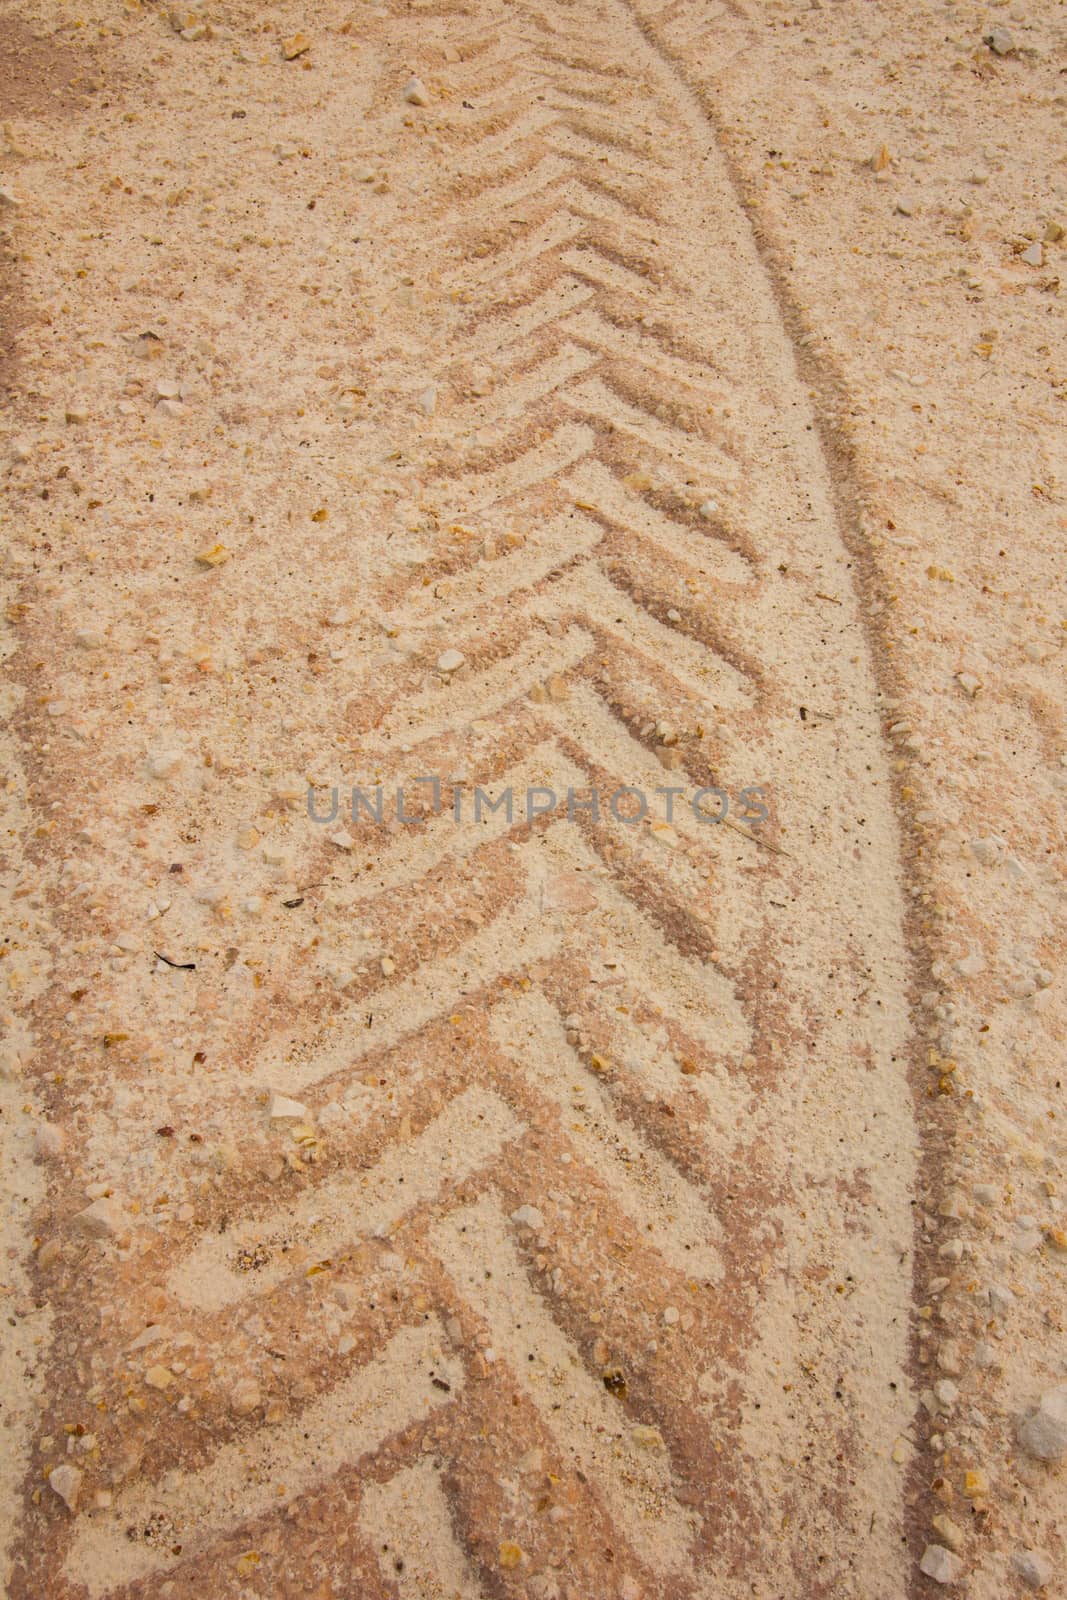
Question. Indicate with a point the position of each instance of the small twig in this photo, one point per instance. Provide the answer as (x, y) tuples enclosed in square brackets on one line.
[(182, 966), (745, 834)]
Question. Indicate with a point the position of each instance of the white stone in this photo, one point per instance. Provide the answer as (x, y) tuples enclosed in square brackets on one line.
[(282, 1108), (940, 1564), (415, 93), (67, 1482), (529, 1216), (450, 661), (1044, 1434), (1033, 1567)]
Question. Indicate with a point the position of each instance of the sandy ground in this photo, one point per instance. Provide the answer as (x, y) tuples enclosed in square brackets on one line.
[(531, 398)]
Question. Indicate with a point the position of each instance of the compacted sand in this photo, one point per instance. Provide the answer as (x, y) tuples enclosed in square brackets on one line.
[(511, 1187)]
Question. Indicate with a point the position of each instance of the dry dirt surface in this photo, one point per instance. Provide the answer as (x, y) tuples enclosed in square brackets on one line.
[(561, 422)]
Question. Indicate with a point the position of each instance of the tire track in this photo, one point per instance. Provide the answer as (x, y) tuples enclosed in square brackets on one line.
[(652, 1216)]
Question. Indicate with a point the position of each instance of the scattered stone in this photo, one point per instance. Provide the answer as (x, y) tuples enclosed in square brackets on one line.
[(904, 208), (975, 1484), (67, 1482), (245, 1397), (647, 1438), (282, 1109), (510, 1555), (77, 411), (1000, 42), (1034, 256), (103, 1219), (881, 159), (940, 1564), (450, 661), (388, 966), (159, 1377), (671, 1315), (343, 840), (1044, 1434), (1053, 232), (946, 1394), (968, 683), (215, 557), (427, 401), (529, 1216), (950, 1358), (1033, 1567), (415, 93), (947, 1530), (297, 44)]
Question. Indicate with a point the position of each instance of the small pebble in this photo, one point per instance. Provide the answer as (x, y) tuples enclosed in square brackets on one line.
[(1000, 42), (67, 1482), (670, 1316), (297, 44), (415, 93), (1034, 256), (282, 1109), (214, 557), (77, 411), (947, 1530), (940, 1564), (950, 1358), (450, 661), (1044, 1434), (1033, 1567), (529, 1216)]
